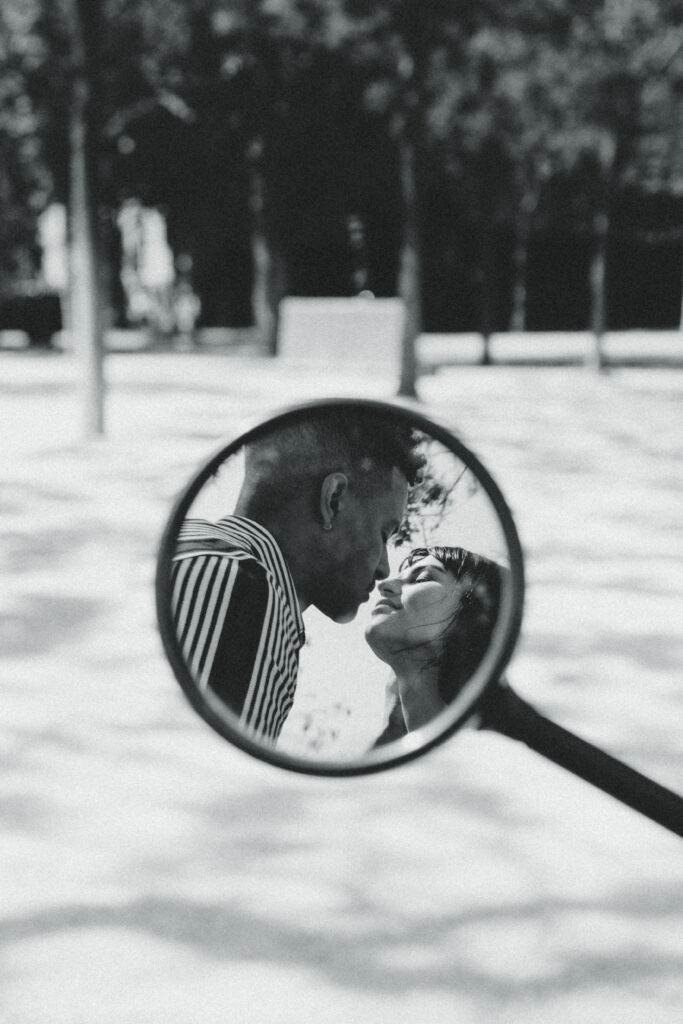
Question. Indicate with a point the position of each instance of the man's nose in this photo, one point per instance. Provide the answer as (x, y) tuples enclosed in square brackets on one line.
[(382, 570)]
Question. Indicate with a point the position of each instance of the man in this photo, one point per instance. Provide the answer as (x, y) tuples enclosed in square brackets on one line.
[(319, 501)]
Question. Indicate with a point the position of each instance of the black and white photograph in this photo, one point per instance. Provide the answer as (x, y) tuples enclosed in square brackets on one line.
[(341, 511)]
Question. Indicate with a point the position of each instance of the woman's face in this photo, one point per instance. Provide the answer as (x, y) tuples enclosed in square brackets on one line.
[(414, 608)]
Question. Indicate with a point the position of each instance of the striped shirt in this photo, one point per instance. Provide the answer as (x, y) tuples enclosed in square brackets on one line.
[(238, 620)]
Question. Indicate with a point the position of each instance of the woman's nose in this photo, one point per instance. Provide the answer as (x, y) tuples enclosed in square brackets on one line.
[(389, 586)]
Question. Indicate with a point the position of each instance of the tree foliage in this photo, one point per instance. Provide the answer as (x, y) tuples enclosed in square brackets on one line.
[(275, 121)]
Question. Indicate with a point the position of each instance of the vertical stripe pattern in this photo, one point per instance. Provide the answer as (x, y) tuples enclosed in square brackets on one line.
[(238, 620)]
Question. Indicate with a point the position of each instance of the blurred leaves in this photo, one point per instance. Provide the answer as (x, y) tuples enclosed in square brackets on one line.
[(500, 98), (443, 481)]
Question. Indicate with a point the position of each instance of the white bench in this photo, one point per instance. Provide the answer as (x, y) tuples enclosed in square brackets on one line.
[(341, 330)]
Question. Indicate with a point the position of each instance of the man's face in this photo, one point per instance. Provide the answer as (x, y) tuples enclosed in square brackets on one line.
[(356, 554)]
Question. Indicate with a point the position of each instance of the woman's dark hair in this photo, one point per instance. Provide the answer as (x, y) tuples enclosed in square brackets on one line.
[(468, 635)]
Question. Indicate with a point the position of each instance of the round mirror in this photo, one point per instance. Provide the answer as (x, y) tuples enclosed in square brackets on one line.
[(338, 586)]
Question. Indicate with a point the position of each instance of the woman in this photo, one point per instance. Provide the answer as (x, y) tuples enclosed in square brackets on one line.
[(432, 625)]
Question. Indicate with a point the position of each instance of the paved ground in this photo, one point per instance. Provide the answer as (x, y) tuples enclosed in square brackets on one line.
[(151, 873)]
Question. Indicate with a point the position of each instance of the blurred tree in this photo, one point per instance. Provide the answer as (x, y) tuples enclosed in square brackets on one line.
[(245, 70), (403, 51), (512, 117), (24, 182), (90, 72), (657, 166), (197, 105), (503, 120), (243, 121), (53, 50), (619, 56), (549, 90)]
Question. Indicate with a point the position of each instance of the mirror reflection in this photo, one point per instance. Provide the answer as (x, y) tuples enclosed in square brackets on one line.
[(336, 583)]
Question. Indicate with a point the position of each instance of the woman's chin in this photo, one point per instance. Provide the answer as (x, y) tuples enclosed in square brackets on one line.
[(376, 641), (373, 637)]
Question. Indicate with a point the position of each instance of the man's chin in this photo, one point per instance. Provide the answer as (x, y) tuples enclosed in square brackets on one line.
[(343, 617), (341, 612)]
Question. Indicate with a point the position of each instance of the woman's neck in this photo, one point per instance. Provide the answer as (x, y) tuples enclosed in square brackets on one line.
[(418, 691)]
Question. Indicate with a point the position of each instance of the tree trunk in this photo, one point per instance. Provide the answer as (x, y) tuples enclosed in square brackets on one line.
[(113, 299), (410, 266), (486, 329), (487, 304), (269, 278), (598, 303), (675, 148), (520, 262), (85, 316)]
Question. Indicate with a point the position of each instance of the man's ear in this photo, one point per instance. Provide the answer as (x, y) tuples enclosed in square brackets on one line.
[(332, 490)]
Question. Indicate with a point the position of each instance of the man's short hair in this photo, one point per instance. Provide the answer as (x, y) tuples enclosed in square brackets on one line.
[(364, 444)]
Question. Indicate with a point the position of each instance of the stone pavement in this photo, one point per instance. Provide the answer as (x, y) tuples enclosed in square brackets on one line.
[(151, 873)]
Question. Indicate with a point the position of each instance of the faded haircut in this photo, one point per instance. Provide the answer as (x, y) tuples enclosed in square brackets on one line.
[(365, 445)]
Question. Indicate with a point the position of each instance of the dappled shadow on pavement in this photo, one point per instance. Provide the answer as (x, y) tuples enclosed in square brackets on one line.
[(481, 875), (377, 955), (642, 650), (28, 551), (45, 622)]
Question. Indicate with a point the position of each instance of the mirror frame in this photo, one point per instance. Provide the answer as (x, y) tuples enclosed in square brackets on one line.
[(406, 748)]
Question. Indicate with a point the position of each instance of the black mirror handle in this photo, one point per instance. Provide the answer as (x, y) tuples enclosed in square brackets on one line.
[(505, 712)]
